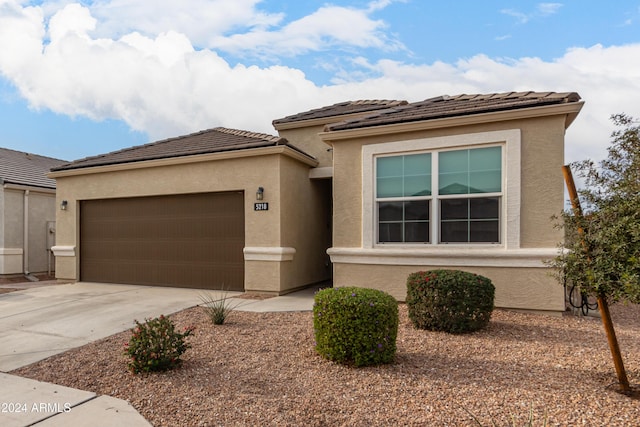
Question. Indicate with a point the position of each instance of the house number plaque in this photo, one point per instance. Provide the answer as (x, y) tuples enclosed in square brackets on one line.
[(263, 206)]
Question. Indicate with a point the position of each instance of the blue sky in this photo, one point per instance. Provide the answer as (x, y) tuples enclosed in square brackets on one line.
[(84, 78)]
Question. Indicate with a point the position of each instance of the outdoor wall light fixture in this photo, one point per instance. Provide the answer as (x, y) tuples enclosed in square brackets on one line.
[(63, 205), (260, 193)]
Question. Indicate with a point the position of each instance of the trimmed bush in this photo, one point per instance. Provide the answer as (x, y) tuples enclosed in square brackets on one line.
[(355, 326), (452, 301), (156, 345)]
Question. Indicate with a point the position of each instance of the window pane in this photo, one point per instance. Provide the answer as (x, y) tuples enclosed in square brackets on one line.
[(485, 182), (390, 232), (484, 231), (417, 164), (485, 166), (403, 176), (454, 183), (453, 175), (478, 170), (454, 232), (454, 209), (416, 210), (416, 232), (453, 161), (470, 220), (463, 219), (389, 176), (417, 185), (403, 221), (483, 159), (389, 187), (390, 211), (389, 166), (484, 208)]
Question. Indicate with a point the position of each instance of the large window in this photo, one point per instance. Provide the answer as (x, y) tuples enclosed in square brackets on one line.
[(444, 196)]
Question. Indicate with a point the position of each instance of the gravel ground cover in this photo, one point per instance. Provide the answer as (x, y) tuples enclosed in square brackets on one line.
[(261, 369)]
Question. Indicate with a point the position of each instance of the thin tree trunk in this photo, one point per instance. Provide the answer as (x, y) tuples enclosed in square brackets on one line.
[(603, 305)]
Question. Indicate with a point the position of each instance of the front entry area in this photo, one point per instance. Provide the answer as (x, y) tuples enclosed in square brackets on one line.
[(186, 240)]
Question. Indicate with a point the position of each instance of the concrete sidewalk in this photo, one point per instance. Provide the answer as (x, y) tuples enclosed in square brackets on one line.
[(39, 322)]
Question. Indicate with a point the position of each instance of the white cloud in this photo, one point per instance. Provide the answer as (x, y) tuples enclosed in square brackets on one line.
[(522, 18), (542, 10), (329, 26), (241, 27), (376, 5), (546, 9), (164, 86), (212, 18)]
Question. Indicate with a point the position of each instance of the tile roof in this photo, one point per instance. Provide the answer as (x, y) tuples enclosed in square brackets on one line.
[(17, 167), (342, 108), (204, 142), (452, 106)]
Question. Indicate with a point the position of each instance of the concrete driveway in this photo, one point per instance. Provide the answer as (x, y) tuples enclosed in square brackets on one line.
[(38, 323), (41, 321)]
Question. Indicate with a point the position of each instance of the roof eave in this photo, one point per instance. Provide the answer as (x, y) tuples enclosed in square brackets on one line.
[(198, 158), (29, 187), (571, 110)]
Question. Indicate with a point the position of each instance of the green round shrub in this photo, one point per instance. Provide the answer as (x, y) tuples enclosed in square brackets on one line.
[(355, 326), (452, 301)]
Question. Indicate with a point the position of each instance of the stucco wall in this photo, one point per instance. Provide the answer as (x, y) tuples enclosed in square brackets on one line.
[(542, 182), (13, 218), (516, 288), (306, 218), (541, 196), (41, 208), (11, 254), (307, 140)]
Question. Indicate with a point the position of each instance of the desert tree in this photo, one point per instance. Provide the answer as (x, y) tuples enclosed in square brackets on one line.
[(601, 255)]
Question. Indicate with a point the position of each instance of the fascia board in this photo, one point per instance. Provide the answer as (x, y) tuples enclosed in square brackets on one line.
[(199, 158)]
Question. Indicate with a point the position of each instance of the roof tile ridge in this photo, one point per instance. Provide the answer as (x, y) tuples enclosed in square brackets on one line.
[(402, 105), (360, 102), (137, 147), (250, 134), (385, 102), (26, 153)]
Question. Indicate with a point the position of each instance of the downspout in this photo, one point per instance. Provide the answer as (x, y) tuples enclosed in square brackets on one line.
[(25, 245)]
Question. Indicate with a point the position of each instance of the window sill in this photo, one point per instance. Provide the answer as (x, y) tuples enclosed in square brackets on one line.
[(445, 255)]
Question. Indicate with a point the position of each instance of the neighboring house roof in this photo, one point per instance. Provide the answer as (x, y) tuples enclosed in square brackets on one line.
[(453, 106), (340, 109), (204, 142), (19, 168)]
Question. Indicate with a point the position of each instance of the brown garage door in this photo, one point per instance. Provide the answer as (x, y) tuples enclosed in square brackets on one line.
[(188, 240)]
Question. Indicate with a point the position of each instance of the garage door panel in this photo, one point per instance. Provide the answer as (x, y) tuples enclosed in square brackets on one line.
[(183, 240)]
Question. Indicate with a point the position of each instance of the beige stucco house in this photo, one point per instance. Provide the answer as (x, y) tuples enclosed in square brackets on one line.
[(362, 192), (27, 213)]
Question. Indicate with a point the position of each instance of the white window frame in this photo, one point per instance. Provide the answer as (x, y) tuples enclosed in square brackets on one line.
[(510, 140)]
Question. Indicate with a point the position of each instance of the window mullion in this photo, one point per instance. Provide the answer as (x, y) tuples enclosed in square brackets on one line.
[(435, 204)]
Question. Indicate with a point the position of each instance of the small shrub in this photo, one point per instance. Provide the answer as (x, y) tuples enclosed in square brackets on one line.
[(449, 300), (156, 345), (355, 326), (218, 310)]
